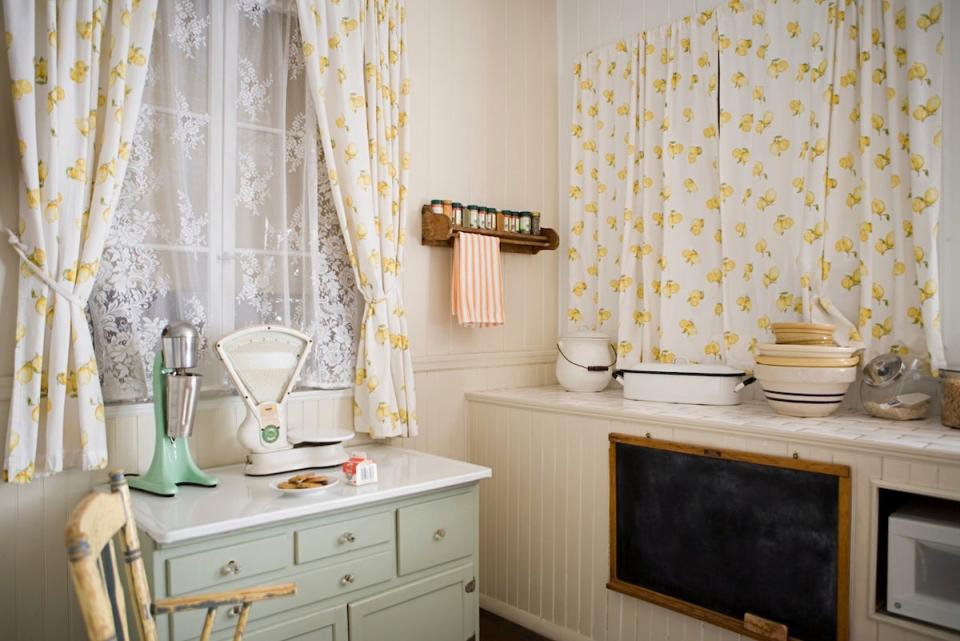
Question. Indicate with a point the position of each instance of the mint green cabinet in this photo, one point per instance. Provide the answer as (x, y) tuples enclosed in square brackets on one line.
[(441, 607), (398, 570)]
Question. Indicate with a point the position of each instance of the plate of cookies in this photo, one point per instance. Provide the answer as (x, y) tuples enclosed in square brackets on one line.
[(304, 484)]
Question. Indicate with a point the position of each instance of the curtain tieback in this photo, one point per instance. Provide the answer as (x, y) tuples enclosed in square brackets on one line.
[(61, 288)]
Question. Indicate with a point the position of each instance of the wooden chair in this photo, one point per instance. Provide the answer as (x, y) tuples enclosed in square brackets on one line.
[(90, 532)]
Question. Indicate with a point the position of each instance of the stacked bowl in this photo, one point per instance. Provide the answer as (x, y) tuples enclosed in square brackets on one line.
[(808, 377), (803, 333)]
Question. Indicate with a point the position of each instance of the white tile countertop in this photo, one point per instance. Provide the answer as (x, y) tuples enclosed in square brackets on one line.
[(925, 437), (247, 501)]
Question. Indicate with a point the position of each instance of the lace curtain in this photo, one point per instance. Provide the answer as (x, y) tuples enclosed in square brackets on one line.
[(225, 218)]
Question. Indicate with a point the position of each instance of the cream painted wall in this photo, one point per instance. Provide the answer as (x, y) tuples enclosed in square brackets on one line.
[(586, 24), (483, 125)]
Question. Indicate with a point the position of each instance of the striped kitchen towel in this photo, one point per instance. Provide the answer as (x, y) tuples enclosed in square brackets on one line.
[(476, 285)]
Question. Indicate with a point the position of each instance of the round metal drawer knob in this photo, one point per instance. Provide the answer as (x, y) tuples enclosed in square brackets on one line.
[(347, 579), (439, 534), (348, 537), (234, 611), (232, 567)]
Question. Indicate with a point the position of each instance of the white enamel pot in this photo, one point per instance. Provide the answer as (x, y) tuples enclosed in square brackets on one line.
[(585, 361), (683, 383)]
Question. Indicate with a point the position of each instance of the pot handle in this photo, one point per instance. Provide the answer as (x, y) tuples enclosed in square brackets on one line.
[(747, 381), (590, 368)]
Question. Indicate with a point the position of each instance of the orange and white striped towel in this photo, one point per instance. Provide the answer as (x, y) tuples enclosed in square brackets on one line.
[(476, 285)]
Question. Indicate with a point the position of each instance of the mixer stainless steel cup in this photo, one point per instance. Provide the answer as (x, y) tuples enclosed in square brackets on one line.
[(180, 343), (183, 388)]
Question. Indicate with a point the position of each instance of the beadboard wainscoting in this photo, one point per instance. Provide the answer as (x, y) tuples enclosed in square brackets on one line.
[(544, 515)]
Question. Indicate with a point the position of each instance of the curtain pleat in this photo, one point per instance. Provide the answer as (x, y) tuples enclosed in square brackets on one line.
[(730, 168), (356, 64), (78, 71)]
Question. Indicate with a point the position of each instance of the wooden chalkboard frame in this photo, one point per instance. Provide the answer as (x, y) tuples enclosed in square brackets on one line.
[(842, 472)]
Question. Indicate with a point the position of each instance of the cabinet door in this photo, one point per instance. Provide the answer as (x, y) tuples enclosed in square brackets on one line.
[(442, 607), (327, 625)]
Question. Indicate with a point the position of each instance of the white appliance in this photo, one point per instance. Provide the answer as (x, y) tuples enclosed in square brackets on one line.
[(264, 363), (923, 562), (683, 383)]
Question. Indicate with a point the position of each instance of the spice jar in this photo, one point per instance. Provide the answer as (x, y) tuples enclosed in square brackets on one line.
[(525, 223), (458, 214), (535, 223), (491, 218), (472, 215), (950, 408), (897, 389), (447, 208)]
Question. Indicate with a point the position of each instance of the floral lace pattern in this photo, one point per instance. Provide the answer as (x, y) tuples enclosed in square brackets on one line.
[(130, 282), (190, 128), (189, 30), (254, 93), (193, 227), (338, 305), (257, 277), (253, 10), (295, 54), (253, 181), (295, 141)]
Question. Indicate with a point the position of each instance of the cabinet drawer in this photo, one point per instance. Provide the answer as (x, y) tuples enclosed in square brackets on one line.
[(300, 625), (216, 567), (312, 586), (352, 575), (435, 532), (345, 536)]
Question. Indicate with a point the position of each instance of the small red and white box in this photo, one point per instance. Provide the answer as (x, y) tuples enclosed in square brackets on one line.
[(359, 470)]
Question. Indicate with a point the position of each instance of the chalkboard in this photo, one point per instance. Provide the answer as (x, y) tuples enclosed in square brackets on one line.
[(718, 534)]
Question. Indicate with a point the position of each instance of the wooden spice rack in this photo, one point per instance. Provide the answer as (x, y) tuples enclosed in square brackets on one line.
[(439, 231)]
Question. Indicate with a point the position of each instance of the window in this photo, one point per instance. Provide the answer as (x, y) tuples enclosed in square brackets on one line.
[(225, 218)]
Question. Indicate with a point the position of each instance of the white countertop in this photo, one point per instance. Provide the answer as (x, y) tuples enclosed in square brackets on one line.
[(241, 501), (925, 437)]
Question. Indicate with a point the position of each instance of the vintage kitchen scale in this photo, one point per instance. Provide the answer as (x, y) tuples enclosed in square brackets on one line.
[(264, 363)]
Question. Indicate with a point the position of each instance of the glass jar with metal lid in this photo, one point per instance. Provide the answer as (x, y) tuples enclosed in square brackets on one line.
[(950, 409), (897, 388), (525, 222)]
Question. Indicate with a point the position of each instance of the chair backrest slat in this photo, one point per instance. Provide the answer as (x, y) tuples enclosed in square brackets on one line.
[(111, 582), (95, 568)]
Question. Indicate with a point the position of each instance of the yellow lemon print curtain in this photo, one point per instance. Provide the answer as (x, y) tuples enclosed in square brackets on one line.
[(78, 71), (357, 70), (733, 166)]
